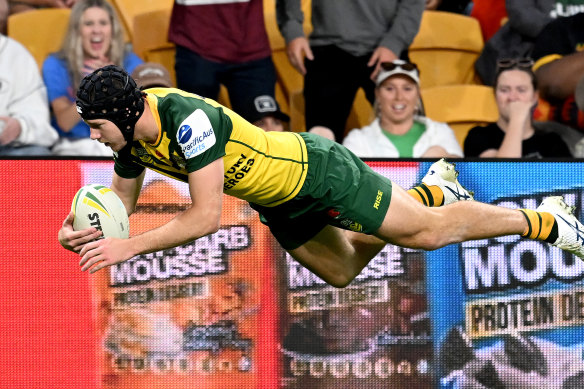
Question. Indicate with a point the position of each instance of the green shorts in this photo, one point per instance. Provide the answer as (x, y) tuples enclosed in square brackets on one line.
[(340, 190)]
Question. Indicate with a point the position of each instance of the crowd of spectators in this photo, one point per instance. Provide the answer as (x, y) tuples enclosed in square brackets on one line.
[(531, 58)]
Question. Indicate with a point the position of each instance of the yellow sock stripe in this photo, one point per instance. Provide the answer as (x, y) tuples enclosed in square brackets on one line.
[(547, 223), (418, 195), (539, 224), (437, 195)]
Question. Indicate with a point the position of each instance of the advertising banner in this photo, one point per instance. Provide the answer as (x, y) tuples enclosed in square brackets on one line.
[(374, 333), (192, 316), (233, 310), (509, 312)]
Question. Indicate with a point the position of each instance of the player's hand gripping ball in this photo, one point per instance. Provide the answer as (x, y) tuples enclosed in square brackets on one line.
[(100, 207)]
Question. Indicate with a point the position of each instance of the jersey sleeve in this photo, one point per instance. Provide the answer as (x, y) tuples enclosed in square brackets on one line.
[(124, 167), (200, 131)]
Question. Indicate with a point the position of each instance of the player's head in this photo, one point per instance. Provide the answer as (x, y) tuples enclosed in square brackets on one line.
[(110, 93)]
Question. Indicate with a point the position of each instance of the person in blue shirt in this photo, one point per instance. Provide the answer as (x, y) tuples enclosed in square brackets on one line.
[(94, 38)]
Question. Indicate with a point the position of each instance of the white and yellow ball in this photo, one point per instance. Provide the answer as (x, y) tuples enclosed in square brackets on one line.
[(98, 206)]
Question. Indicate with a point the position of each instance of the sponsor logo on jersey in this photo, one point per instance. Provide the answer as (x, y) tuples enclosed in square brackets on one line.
[(195, 134), (184, 133)]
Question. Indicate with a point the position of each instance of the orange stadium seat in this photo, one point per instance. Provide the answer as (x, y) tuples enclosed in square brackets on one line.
[(446, 48), (461, 106), (41, 31), (128, 9)]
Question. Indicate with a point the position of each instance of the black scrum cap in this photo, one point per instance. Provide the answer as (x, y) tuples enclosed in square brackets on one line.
[(110, 93)]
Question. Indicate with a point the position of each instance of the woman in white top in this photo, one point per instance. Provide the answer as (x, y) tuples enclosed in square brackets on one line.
[(398, 131)]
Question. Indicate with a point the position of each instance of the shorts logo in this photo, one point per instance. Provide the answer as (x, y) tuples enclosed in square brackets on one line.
[(195, 134), (333, 213), (344, 223), (378, 199)]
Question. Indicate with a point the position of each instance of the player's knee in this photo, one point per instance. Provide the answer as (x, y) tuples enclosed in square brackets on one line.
[(342, 281)]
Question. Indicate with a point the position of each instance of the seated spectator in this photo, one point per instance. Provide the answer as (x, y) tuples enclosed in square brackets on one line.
[(25, 129), (515, 39), (264, 112), (559, 65), (399, 130), (94, 38), (513, 135), (152, 75)]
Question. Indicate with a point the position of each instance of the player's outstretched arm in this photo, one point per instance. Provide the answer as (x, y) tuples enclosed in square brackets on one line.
[(203, 217)]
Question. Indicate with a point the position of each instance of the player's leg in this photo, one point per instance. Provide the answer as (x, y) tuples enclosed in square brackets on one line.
[(337, 256), (409, 224)]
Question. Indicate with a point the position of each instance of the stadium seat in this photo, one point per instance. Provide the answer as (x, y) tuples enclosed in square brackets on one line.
[(41, 31), (151, 44), (461, 106), (446, 48), (128, 9)]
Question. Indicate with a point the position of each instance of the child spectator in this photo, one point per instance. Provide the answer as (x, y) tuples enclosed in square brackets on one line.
[(152, 75)]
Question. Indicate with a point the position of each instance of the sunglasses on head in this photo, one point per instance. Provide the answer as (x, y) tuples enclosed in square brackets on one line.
[(408, 66), (508, 63)]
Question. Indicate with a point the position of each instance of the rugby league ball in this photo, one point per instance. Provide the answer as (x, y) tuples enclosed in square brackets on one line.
[(98, 206)]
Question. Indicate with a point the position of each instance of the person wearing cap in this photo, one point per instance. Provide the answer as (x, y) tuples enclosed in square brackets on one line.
[(152, 75), (399, 130), (323, 204), (264, 111)]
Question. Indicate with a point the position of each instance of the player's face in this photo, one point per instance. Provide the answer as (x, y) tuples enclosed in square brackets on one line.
[(107, 133), (397, 97), (96, 32)]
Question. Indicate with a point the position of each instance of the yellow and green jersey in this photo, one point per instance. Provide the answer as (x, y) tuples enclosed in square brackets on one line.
[(265, 168)]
